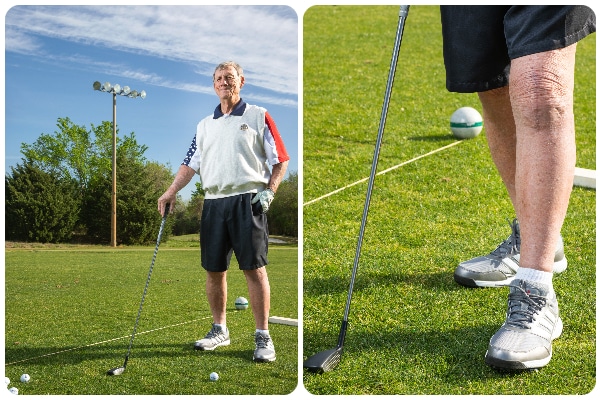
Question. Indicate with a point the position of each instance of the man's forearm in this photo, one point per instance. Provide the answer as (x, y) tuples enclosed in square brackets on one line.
[(182, 178), (277, 175)]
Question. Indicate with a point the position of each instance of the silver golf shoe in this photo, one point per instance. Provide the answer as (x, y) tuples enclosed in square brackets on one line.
[(265, 350), (214, 338), (500, 266), (524, 341)]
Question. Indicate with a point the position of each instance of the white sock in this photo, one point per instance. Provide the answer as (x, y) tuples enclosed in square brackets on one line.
[(224, 326), (534, 275), (263, 331)]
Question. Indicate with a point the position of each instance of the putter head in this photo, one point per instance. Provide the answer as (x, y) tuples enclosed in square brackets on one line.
[(116, 371), (324, 361)]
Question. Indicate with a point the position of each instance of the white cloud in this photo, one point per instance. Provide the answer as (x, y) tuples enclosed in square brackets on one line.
[(263, 39), (20, 42)]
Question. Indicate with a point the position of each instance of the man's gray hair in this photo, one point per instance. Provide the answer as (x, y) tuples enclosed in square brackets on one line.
[(227, 64)]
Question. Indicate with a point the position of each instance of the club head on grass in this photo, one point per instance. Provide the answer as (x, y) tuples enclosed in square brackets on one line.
[(324, 361), (116, 371)]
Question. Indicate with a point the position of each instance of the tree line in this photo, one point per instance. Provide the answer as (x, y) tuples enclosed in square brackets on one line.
[(60, 192)]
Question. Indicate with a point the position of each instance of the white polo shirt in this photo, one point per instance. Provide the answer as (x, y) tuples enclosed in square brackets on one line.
[(232, 152)]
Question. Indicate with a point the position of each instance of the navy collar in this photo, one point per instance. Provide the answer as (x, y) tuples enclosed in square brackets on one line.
[(238, 110)]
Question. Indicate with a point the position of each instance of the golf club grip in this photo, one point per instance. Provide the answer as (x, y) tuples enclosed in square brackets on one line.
[(162, 225), (399, 32)]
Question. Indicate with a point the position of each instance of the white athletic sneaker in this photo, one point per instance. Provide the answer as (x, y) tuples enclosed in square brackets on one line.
[(524, 341), (265, 350), (500, 266), (214, 338)]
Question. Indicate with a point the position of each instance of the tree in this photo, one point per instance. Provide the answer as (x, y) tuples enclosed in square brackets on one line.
[(69, 153), (40, 207), (139, 185), (137, 214), (187, 217), (283, 213), (84, 157)]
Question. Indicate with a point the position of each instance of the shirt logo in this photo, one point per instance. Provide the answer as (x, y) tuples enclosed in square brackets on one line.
[(244, 127)]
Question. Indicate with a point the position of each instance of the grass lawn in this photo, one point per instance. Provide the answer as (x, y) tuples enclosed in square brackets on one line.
[(412, 330), (70, 311)]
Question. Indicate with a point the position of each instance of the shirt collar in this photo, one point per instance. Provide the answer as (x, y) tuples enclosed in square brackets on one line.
[(238, 110)]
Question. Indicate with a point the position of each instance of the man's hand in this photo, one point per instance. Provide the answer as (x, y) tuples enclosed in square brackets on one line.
[(265, 197), (166, 199)]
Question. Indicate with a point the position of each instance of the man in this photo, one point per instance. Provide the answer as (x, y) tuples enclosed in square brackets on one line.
[(521, 61), (230, 152)]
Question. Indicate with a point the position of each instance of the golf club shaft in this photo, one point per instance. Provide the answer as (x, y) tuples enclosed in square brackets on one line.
[(388, 92), (137, 319)]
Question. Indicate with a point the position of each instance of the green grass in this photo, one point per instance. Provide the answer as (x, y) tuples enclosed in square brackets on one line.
[(69, 315), (412, 330)]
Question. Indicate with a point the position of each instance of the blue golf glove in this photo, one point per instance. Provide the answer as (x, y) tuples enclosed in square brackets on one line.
[(265, 198)]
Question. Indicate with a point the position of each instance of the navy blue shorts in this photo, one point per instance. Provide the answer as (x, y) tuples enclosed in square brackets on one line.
[(233, 225), (480, 41)]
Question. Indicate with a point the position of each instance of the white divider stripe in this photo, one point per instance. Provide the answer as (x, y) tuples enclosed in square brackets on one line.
[(104, 341), (382, 172)]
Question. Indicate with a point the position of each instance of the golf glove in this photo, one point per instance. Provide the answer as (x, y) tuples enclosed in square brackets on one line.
[(265, 198)]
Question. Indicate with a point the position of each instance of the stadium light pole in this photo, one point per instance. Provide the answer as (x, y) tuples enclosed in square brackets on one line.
[(127, 92)]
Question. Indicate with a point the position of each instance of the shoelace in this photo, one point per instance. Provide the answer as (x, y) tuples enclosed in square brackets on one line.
[(214, 332), (511, 244), (263, 342), (522, 318)]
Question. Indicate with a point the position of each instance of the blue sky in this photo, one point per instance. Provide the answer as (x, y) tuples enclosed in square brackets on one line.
[(53, 54)]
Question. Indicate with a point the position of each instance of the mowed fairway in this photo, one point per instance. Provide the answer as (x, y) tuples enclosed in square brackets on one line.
[(412, 330), (69, 315)]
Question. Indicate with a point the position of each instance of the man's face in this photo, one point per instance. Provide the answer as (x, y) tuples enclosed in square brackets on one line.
[(227, 83)]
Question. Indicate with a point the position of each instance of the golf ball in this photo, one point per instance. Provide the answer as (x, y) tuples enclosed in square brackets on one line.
[(214, 376), (466, 123), (25, 378), (241, 303), (13, 390)]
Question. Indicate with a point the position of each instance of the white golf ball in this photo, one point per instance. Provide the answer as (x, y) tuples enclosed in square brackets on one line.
[(466, 123), (214, 376), (25, 378), (13, 390), (241, 303)]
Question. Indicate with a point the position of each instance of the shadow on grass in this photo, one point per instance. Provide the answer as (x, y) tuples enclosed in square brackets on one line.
[(366, 279), (455, 357), (450, 352), (430, 138), (76, 355)]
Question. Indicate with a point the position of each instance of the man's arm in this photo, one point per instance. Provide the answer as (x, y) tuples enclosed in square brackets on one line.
[(277, 174), (183, 177)]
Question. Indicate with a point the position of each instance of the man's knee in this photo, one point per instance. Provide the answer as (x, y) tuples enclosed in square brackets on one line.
[(541, 90)]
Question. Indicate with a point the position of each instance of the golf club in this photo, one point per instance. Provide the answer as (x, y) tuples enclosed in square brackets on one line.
[(328, 359), (120, 370)]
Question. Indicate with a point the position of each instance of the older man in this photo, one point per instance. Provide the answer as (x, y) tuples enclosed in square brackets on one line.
[(231, 151)]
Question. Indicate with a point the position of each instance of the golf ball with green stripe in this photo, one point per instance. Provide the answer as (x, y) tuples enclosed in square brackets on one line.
[(466, 123)]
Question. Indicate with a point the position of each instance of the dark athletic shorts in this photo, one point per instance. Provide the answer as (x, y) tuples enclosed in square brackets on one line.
[(480, 41), (233, 224)]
